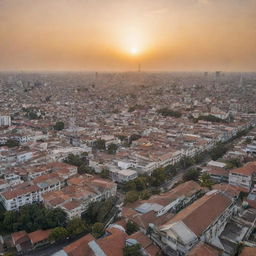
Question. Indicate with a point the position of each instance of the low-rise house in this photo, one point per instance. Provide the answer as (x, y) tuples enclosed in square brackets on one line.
[(148, 248), (217, 174), (111, 244), (24, 241)]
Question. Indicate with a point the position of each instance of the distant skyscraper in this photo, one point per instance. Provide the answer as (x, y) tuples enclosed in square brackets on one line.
[(139, 67), (217, 78), (241, 81)]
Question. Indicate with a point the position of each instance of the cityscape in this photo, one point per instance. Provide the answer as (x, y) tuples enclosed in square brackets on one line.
[(122, 154)]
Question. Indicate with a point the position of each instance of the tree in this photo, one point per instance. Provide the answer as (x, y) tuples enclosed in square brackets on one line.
[(131, 196), (76, 226), (218, 151), (206, 180), (32, 217), (98, 229), (59, 126), (112, 148), (82, 169), (99, 211), (134, 137), (140, 183), (56, 217), (58, 234), (145, 194), (130, 185), (11, 143), (131, 227), (132, 250), (167, 112), (192, 174), (104, 174), (158, 177), (233, 163), (99, 144), (76, 160)]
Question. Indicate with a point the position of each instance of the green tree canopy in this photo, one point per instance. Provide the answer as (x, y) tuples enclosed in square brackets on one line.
[(58, 234), (32, 217), (11, 143), (131, 227), (112, 148), (76, 226), (206, 180), (99, 144), (98, 229), (132, 250), (59, 126), (168, 112), (104, 174), (131, 196), (192, 174)]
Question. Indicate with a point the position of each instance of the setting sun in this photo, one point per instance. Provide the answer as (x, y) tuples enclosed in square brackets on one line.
[(134, 51)]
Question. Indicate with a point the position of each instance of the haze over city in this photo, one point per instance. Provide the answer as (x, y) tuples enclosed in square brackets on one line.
[(111, 35)]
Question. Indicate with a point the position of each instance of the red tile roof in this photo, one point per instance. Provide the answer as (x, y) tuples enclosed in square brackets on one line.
[(39, 235), (199, 215), (80, 247), (248, 251), (203, 249)]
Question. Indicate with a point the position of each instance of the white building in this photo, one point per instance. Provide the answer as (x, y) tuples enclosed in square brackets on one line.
[(20, 195), (123, 175), (204, 220), (243, 177), (5, 121)]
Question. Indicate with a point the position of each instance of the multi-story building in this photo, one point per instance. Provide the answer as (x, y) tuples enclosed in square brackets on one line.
[(243, 177), (5, 121), (22, 194), (204, 220)]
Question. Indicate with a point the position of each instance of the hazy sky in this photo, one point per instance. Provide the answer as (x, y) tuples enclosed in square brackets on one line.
[(99, 34)]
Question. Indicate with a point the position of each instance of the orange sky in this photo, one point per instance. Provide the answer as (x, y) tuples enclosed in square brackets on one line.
[(98, 34)]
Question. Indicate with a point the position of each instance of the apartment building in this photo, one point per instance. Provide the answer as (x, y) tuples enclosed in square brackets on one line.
[(243, 177), (203, 220), (19, 195)]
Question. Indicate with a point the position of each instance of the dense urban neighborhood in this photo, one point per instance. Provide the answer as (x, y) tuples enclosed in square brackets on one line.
[(133, 164)]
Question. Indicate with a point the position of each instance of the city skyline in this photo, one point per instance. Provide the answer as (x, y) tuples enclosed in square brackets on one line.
[(186, 35)]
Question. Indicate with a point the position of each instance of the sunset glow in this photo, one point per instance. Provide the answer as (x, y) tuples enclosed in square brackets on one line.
[(134, 51), (107, 35)]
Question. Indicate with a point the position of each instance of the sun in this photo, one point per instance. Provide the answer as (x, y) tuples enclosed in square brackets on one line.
[(134, 50)]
